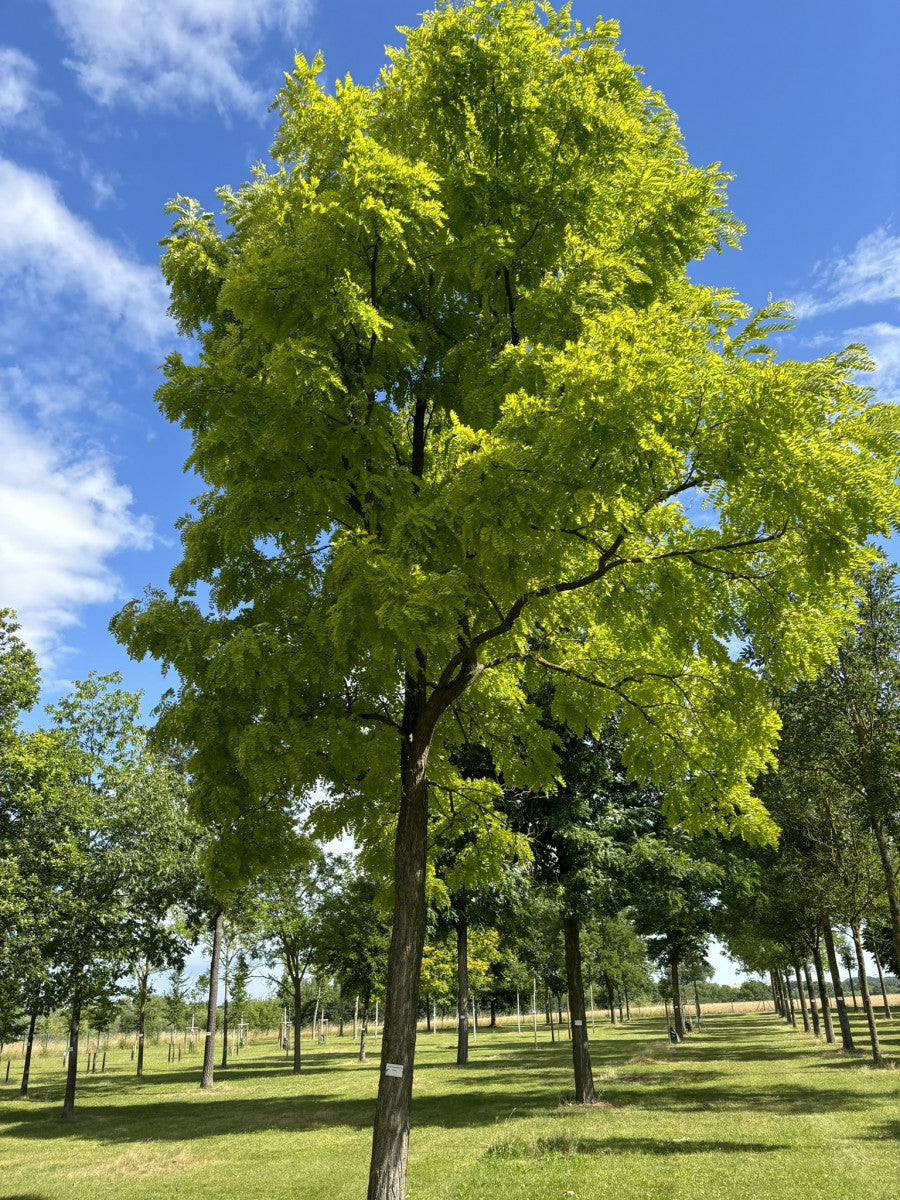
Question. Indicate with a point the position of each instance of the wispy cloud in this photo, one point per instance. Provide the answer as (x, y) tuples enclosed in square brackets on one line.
[(46, 252), (21, 99), (870, 274), (74, 306), (169, 53), (882, 340), (62, 516)]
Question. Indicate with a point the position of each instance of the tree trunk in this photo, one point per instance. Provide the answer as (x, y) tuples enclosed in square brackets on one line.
[(390, 1136), (776, 994), (866, 998), (364, 1028), (68, 1110), (26, 1068), (884, 995), (141, 1025), (493, 1023), (813, 1011), (298, 1016), (786, 984), (840, 1004), (224, 1063), (209, 1049), (823, 993), (802, 998), (627, 1006), (849, 966), (462, 987), (581, 1057), (355, 1016), (610, 999), (312, 1036), (428, 1013), (890, 880), (697, 1008), (676, 997)]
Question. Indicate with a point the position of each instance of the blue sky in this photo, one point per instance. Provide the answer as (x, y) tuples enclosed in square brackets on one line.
[(110, 107)]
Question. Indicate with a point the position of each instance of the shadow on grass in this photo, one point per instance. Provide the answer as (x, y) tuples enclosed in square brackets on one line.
[(553, 1147), (195, 1116), (885, 1132), (786, 1099)]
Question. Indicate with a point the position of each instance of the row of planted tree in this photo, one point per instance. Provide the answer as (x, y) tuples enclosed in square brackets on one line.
[(529, 892)]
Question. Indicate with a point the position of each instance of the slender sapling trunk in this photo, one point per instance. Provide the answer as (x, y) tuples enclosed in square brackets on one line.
[(866, 997), (68, 1110), (209, 1048), (823, 994), (462, 987), (840, 1003)]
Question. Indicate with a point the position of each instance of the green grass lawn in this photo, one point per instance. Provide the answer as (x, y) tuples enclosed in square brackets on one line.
[(745, 1108)]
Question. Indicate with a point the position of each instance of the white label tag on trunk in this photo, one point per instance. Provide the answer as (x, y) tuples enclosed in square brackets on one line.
[(578, 1022), (394, 1070)]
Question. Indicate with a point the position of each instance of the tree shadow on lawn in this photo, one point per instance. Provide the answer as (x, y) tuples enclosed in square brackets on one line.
[(737, 1041), (782, 1099), (550, 1147), (887, 1131), (214, 1115)]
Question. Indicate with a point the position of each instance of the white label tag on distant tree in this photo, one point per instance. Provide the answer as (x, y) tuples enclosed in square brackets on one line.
[(394, 1070), (578, 1022)]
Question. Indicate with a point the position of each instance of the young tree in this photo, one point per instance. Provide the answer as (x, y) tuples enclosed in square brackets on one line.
[(175, 1000), (122, 850), (352, 938), (459, 409), (285, 903)]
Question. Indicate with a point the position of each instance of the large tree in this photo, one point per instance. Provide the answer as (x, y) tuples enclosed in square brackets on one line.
[(464, 420)]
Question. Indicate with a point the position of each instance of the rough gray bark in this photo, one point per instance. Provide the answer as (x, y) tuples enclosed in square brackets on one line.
[(839, 1001), (581, 1057), (209, 1049)]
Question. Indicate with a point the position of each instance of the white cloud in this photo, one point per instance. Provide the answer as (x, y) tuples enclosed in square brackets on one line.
[(48, 253), (61, 517), (75, 311), (870, 274), (882, 340), (168, 53), (21, 100)]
